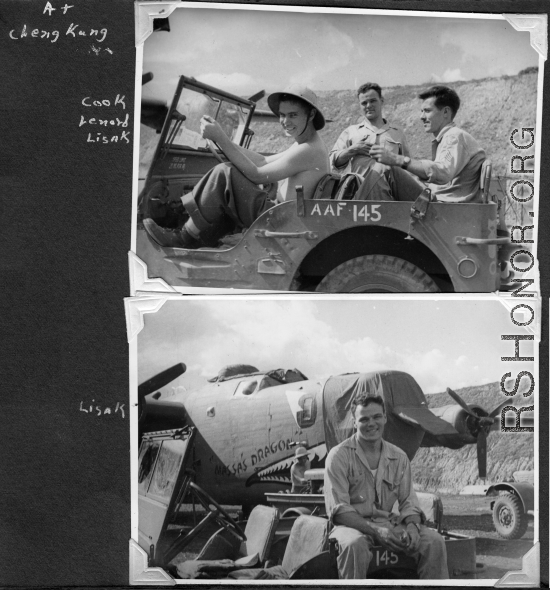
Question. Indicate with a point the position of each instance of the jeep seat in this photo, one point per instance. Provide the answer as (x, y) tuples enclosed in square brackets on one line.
[(432, 507), (260, 530), (306, 555), (223, 552), (485, 180)]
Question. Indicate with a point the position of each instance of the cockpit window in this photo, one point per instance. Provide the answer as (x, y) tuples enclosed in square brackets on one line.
[(251, 386), (268, 382), (308, 414), (246, 387)]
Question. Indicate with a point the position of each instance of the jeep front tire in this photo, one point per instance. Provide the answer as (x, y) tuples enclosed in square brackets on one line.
[(377, 274), (508, 516)]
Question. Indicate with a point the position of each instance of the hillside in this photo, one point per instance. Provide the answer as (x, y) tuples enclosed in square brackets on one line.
[(447, 470), (491, 109)]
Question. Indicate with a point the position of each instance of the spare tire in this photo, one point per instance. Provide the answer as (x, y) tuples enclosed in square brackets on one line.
[(377, 274)]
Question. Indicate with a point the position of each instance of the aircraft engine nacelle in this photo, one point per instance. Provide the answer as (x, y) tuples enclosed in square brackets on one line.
[(161, 415), (465, 424)]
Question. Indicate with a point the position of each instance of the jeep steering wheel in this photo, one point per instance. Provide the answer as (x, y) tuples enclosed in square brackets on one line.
[(214, 512), (217, 512), (214, 152)]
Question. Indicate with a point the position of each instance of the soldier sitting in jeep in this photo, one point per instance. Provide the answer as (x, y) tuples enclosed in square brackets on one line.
[(234, 194), (454, 171)]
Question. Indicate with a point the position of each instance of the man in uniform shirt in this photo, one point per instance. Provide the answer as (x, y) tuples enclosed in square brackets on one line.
[(364, 477), (453, 173), (351, 152)]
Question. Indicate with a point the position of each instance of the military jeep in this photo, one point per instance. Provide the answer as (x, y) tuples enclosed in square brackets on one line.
[(332, 242)]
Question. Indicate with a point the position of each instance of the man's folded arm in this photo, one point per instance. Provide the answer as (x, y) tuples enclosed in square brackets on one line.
[(337, 155)]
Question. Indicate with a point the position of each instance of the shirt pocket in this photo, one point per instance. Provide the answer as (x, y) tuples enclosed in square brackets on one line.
[(390, 493), (393, 146), (357, 488)]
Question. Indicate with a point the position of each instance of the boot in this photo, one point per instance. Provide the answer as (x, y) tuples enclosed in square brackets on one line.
[(170, 238)]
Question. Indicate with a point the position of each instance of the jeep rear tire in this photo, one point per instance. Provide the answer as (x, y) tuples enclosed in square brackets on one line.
[(508, 516), (377, 274)]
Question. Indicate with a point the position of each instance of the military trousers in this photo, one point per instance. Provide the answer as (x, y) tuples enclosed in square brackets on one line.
[(355, 555), (224, 199)]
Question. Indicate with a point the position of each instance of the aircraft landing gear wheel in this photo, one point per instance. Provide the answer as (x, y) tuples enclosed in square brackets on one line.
[(221, 516), (508, 516), (377, 274)]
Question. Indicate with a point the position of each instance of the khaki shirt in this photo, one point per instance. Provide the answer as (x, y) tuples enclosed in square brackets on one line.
[(453, 174), (351, 487), (388, 136)]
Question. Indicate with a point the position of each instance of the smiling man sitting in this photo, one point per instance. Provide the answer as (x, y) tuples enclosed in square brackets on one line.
[(364, 477), (453, 173), (236, 193)]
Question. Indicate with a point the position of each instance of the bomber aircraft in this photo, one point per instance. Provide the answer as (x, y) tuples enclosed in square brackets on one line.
[(246, 423)]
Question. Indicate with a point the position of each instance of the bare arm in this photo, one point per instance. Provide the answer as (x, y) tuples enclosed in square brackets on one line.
[(255, 158), (297, 158)]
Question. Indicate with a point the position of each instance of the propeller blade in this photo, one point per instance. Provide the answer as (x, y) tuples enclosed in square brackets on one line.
[(258, 96), (153, 113), (482, 453), (461, 402), (160, 380), (495, 414)]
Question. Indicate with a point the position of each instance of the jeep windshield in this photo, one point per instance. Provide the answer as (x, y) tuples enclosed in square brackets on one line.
[(192, 101)]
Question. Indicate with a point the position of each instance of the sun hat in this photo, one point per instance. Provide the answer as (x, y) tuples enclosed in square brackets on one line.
[(300, 452), (303, 93)]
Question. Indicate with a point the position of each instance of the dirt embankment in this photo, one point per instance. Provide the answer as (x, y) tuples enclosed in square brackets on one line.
[(447, 470), (491, 109)]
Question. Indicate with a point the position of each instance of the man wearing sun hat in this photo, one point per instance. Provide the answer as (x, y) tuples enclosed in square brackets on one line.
[(234, 194)]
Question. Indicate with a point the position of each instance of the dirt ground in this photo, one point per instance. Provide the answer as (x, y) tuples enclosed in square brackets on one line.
[(467, 515), (471, 515)]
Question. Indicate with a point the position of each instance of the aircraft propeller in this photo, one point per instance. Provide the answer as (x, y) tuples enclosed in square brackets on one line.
[(160, 380), (481, 427), (258, 96)]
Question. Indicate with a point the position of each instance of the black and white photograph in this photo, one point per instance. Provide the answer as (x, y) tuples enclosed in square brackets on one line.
[(274, 293), (337, 150), (327, 439)]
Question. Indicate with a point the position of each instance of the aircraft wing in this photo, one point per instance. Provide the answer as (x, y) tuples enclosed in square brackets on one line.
[(423, 417)]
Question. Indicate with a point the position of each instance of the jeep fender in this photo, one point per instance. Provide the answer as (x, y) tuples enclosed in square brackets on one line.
[(524, 491)]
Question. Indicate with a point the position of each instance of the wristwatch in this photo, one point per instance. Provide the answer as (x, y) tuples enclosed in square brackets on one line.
[(406, 162)]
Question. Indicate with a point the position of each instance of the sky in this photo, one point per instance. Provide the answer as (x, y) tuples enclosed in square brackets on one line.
[(451, 343), (243, 51)]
